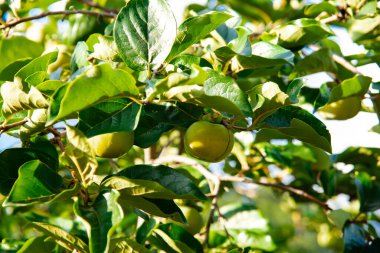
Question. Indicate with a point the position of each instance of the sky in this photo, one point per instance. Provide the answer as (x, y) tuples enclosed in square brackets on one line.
[(352, 132)]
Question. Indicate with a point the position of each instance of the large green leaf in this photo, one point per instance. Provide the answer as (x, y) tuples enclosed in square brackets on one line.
[(178, 233), (7, 74), (11, 159), (36, 183), (300, 124), (37, 245), (298, 33), (174, 245), (368, 191), (80, 156), (15, 99), (354, 238), (157, 119), (114, 115), (266, 98), (61, 237), (125, 244), (318, 61), (158, 207), (156, 182), (99, 218), (16, 48), (35, 71), (264, 55), (95, 85), (355, 86), (144, 33), (194, 29)]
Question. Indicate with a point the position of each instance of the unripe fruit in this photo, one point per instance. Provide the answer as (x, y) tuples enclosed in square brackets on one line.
[(208, 141), (194, 220), (112, 145)]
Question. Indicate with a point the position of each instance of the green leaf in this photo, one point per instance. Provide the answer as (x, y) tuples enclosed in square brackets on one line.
[(35, 71), (114, 115), (157, 119), (7, 74), (155, 181), (157, 207), (178, 233), (25, 101), (16, 48), (79, 57), (193, 29), (368, 191), (300, 124), (105, 49), (355, 86), (354, 238), (99, 218), (61, 237), (80, 156), (11, 159), (294, 89), (124, 244), (316, 9), (300, 32), (144, 33), (318, 61), (359, 29), (37, 245), (264, 55), (225, 87), (102, 80), (36, 183), (177, 246), (49, 87), (145, 230)]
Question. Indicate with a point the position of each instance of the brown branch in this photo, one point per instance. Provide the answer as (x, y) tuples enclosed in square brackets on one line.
[(97, 6), (289, 189), (4, 128), (57, 138), (338, 59), (15, 22), (214, 206)]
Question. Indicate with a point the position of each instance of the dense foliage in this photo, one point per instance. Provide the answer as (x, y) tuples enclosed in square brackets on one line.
[(69, 77)]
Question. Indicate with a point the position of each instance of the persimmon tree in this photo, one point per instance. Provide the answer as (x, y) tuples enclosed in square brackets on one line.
[(129, 71)]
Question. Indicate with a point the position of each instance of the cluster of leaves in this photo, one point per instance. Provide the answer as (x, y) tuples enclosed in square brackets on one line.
[(127, 67)]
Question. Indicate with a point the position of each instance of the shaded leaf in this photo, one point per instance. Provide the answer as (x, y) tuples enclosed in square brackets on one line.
[(37, 245), (100, 217), (124, 245), (300, 124), (7, 74), (36, 183), (368, 191), (354, 238), (114, 115), (79, 57)]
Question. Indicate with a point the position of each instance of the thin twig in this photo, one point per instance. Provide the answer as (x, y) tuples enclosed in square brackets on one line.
[(338, 59), (4, 128), (97, 6), (15, 22), (214, 206), (57, 138), (289, 189)]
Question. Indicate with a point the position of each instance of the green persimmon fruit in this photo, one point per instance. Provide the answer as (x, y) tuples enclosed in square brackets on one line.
[(194, 220), (208, 141), (112, 145), (342, 109)]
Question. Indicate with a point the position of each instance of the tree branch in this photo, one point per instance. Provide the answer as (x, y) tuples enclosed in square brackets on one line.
[(15, 22), (289, 189), (4, 128), (97, 6)]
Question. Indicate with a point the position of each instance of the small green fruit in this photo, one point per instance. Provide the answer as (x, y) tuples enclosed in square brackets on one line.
[(209, 142), (112, 145), (194, 220)]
